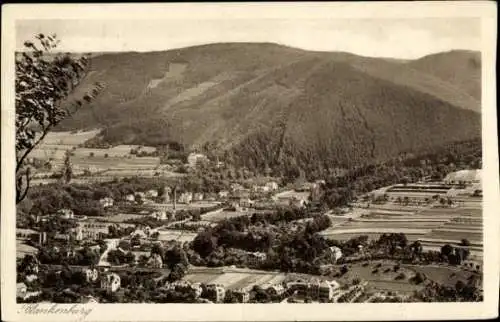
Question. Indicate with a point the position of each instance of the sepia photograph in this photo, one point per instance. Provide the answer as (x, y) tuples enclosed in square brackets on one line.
[(248, 154)]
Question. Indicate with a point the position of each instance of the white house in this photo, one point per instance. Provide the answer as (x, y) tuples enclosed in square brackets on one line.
[(464, 176), (223, 194), (106, 202), (30, 278), (66, 213), (297, 202), (272, 185), (141, 233), (217, 292), (241, 295), (91, 275), (336, 253), (155, 261), (151, 193), (21, 290), (198, 196), (195, 158), (110, 282), (186, 197), (276, 289), (159, 215)]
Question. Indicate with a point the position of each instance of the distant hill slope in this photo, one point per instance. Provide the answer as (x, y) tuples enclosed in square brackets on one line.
[(263, 101), (460, 68)]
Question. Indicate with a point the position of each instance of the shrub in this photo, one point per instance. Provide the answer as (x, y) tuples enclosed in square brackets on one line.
[(401, 276), (418, 278), (375, 271)]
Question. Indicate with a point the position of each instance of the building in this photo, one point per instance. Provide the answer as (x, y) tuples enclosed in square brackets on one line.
[(130, 197), (159, 215), (106, 202), (151, 193), (196, 158), (236, 187), (186, 197), (91, 275), (245, 203), (77, 233), (183, 286), (272, 186), (198, 196), (166, 194), (323, 289), (276, 289), (140, 233), (464, 177), (91, 230), (65, 213), (21, 290), (298, 203), (155, 261), (216, 292), (241, 295), (110, 282), (223, 194), (336, 253), (31, 278), (300, 287), (61, 237)]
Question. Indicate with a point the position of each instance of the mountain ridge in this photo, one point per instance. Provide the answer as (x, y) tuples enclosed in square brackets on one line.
[(229, 93)]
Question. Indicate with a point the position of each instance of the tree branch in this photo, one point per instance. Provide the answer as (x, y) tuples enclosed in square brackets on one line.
[(28, 150), (21, 195)]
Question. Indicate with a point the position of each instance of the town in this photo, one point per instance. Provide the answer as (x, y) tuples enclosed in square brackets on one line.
[(125, 227)]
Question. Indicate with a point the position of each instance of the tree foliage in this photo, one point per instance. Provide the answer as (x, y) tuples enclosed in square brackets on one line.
[(43, 82)]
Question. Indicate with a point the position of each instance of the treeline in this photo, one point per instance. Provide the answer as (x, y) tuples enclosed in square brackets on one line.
[(260, 155), (83, 257), (433, 164), (234, 241)]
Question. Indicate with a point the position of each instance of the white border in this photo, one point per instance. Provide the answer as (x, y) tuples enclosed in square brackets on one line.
[(260, 312)]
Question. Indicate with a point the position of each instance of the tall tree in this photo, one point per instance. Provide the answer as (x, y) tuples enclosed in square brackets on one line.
[(68, 168), (44, 80)]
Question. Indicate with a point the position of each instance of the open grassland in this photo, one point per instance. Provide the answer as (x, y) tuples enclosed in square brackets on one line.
[(115, 161), (178, 235), (432, 225), (217, 216), (122, 217), (235, 278), (69, 138), (23, 249), (381, 275)]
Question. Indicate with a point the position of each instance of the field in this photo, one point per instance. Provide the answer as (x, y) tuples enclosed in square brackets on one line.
[(385, 278), (433, 225), (115, 161), (22, 249), (121, 217), (216, 216), (178, 235), (233, 278)]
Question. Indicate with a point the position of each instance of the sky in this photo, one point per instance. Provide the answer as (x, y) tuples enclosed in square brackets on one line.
[(383, 37)]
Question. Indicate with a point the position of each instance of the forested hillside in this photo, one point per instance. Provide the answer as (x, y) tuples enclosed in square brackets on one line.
[(262, 104)]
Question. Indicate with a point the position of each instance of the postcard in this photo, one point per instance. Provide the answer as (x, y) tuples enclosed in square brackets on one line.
[(249, 161)]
